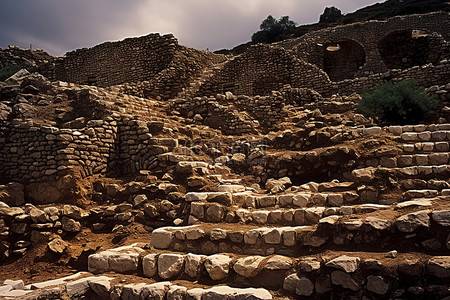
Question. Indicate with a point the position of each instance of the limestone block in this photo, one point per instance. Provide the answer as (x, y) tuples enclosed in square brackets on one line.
[(248, 266), (260, 216), (161, 238), (170, 265), (345, 263), (439, 266), (193, 264), (442, 217), (412, 221), (345, 280), (132, 291), (149, 265), (218, 266)]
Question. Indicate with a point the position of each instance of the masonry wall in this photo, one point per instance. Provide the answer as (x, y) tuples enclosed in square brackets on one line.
[(368, 35), (130, 60), (262, 69)]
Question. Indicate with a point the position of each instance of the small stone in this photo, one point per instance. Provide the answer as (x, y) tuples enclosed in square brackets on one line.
[(57, 245), (377, 285), (345, 263)]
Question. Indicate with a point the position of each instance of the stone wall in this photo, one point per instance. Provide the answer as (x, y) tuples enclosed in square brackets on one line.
[(32, 60), (221, 111), (153, 65), (262, 69), (28, 152), (369, 35), (107, 64)]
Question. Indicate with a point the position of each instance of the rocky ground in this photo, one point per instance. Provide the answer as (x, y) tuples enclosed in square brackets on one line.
[(214, 198)]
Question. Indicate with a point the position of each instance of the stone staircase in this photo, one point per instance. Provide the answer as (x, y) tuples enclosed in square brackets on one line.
[(193, 88)]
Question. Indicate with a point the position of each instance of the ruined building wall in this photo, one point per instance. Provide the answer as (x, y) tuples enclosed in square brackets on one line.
[(130, 60), (370, 36), (32, 60), (263, 69)]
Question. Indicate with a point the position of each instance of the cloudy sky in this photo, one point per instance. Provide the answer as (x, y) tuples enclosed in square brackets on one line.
[(58, 26)]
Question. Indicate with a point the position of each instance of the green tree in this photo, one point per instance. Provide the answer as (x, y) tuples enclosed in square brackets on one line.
[(273, 30), (330, 15)]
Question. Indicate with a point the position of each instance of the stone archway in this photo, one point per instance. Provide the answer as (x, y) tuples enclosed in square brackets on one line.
[(342, 60), (405, 49)]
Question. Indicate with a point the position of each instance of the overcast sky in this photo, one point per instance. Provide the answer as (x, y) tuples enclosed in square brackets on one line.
[(58, 26)]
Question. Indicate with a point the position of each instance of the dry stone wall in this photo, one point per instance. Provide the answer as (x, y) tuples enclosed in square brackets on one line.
[(30, 152), (109, 64), (263, 69), (368, 35)]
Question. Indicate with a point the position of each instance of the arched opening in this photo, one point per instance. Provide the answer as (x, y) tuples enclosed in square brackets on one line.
[(343, 59), (405, 49)]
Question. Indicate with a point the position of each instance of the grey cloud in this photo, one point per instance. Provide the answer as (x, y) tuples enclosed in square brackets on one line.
[(63, 25)]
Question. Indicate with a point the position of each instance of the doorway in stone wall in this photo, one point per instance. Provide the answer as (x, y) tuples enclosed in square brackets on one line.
[(343, 59)]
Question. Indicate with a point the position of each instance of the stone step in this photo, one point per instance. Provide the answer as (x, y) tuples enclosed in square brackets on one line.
[(426, 147), (117, 286), (423, 230), (432, 159), (421, 194), (398, 130), (247, 199), (303, 276), (216, 213), (371, 174)]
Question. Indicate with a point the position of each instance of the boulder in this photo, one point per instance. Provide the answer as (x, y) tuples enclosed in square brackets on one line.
[(304, 287), (345, 263), (70, 225), (193, 264), (149, 265), (57, 245), (345, 280), (439, 266), (170, 265), (218, 266), (377, 285), (248, 266), (410, 222)]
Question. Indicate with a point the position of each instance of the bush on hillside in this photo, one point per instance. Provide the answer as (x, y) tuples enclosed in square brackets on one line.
[(400, 103), (8, 71)]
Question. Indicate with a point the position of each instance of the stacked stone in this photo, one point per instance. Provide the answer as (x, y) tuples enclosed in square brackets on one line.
[(430, 229), (313, 276), (22, 227), (130, 60), (32, 60), (368, 34), (262, 69), (210, 112), (36, 152)]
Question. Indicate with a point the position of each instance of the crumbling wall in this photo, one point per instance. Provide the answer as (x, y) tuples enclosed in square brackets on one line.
[(263, 69), (130, 60), (32, 60), (312, 46)]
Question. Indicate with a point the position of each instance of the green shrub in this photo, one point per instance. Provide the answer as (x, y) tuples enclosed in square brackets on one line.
[(400, 103), (8, 71)]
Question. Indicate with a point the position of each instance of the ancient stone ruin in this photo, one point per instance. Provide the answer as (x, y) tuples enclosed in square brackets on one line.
[(143, 169)]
